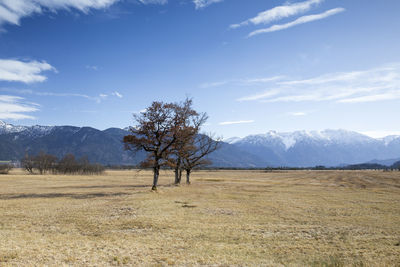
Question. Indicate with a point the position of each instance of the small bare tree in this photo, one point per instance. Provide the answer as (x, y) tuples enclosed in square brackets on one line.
[(194, 153), (42, 162), (28, 163), (155, 132)]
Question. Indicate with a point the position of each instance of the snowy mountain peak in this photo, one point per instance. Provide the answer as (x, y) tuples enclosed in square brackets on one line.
[(232, 140), (36, 130), (9, 128), (288, 140)]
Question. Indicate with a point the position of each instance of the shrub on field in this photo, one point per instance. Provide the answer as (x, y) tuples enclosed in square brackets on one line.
[(44, 163), (69, 165), (5, 168)]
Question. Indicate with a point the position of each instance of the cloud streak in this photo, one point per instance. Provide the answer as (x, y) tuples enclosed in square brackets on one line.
[(12, 11), (247, 81), (15, 108), (297, 114), (157, 2), (278, 13), (90, 67), (199, 4), (27, 72), (262, 95), (115, 93), (301, 20), (372, 85), (235, 122), (97, 99)]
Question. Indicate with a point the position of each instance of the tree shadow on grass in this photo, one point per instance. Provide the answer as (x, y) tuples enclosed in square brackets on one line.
[(79, 195), (61, 195), (97, 186), (107, 186)]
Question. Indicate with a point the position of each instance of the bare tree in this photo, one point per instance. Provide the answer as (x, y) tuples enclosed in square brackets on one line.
[(194, 153), (67, 164), (155, 132), (42, 162), (45, 162), (28, 163), (189, 123)]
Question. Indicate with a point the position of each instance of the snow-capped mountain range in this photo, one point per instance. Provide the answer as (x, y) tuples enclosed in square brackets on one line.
[(6, 128), (294, 149), (289, 139), (310, 148)]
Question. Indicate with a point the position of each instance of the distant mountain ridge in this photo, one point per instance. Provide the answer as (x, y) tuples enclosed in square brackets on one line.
[(272, 149), (104, 147)]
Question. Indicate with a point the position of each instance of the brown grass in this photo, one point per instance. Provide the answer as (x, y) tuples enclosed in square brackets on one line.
[(235, 218)]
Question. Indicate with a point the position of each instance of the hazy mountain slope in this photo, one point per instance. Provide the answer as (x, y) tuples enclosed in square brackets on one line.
[(386, 162), (99, 146)]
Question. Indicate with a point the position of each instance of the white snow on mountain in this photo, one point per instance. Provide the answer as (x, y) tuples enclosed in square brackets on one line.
[(388, 139), (232, 140), (36, 130), (290, 139), (9, 128)]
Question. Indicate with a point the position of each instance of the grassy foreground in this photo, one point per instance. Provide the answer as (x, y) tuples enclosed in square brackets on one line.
[(239, 218)]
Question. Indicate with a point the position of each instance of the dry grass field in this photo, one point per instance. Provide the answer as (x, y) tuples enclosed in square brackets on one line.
[(225, 218)]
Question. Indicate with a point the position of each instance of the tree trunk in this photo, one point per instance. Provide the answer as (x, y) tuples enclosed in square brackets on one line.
[(188, 176), (178, 171), (156, 171), (177, 178)]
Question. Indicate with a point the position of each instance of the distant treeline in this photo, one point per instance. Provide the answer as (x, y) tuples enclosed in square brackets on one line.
[(5, 167), (46, 163), (364, 166)]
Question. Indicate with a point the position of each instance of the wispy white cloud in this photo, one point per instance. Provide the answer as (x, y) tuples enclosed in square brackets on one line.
[(38, 93), (16, 108), (11, 11), (20, 71), (298, 21), (278, 12), (297, 114), (263, 80), (265, 94), (247, 81), (376, 84), (235, 122), (214, 84), (115, 93), (90, 67), (205, 3), (97, 99), (158, 2), (372, 98)]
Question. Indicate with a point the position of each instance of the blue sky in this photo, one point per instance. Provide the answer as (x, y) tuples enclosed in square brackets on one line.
[(253, 66)]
